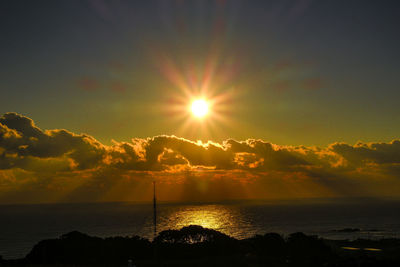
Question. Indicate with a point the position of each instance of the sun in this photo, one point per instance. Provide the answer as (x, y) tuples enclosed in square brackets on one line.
[(200, 108)]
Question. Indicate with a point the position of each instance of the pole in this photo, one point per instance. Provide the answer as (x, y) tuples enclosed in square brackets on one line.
[(155, 223), (154, 209)]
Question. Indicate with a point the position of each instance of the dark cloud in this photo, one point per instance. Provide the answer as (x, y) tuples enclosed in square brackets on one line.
[(273, 156), (22, 141), (362, 153), (339, 168), (209, 154)]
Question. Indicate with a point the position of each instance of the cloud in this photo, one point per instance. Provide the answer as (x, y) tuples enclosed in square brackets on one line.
[(79, 165), (22, 141), (361, 153), (118, 87), (88, 84), (313, 83)]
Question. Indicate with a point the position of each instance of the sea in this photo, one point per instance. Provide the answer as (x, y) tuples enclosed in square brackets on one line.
[(22, 226)]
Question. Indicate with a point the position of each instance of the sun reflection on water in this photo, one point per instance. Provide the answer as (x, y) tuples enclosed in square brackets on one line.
[(217, 217)]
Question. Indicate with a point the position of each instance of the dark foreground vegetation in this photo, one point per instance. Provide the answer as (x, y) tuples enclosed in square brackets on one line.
[(197, 246)]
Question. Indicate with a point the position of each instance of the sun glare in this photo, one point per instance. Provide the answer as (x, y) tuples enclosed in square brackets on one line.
[(199, 108)]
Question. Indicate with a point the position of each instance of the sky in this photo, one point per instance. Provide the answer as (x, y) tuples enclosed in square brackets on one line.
[(95, 99)]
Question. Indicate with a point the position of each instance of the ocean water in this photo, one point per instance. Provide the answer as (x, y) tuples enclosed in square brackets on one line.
[(22, 226)]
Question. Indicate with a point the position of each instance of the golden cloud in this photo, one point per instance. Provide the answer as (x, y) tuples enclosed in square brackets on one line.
[(61, 159)]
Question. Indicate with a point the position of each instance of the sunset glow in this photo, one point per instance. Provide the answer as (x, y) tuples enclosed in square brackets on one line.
[(234, 133), (212, 99)]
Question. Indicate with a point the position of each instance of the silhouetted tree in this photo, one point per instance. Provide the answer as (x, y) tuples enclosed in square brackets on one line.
[(194, 242), (78, 248), (195, 245), (269, 248), (190, 235), (307, 250)]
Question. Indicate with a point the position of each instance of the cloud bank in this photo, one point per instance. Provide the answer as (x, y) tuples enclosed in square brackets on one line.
[(57, 165)]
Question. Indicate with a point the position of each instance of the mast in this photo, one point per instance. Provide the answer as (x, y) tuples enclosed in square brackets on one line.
[(154, 209)]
